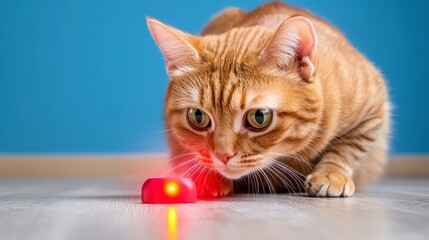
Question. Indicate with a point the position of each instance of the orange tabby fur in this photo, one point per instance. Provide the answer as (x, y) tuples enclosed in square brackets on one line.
[(331, 106)]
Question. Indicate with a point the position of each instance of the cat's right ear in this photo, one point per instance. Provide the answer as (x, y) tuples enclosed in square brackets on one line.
[(179, 48), (293, 44)]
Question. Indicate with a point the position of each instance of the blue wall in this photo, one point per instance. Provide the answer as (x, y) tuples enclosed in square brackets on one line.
[(85, 76)]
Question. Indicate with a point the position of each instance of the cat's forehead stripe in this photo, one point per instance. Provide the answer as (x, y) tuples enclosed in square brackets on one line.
[(224, 82), (254, 33), (223, 88), (237, 40), (263, 100)]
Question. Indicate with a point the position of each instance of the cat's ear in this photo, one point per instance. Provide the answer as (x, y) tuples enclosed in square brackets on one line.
[(179, 48), (293, 44)]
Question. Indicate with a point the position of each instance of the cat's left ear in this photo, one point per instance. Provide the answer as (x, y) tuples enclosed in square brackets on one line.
[(179, 48), (293, 44)]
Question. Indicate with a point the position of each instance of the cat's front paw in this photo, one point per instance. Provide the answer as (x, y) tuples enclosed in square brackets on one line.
[(222, 189), (214, 185), (323, 184)]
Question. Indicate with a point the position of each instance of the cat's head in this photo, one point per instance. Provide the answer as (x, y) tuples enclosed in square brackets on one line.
[(240, 99)]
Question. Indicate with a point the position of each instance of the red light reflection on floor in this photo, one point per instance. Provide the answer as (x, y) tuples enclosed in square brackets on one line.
[(172, 223)]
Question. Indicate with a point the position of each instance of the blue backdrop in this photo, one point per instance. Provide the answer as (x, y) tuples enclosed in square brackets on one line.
[(85, 76)]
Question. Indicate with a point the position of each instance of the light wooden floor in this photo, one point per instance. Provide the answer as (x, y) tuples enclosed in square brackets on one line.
[(111, 209)]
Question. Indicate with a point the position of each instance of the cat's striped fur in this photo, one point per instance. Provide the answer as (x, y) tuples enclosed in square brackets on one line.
[(330, 104)]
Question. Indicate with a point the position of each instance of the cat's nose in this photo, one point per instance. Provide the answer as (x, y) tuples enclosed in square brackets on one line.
[(224, 157)]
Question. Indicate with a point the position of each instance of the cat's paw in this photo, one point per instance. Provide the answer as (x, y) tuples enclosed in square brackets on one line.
[(213, 185), (220, 189), (322, 184)]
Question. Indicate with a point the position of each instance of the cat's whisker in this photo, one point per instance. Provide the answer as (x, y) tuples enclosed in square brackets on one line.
[(207, 175), (178, 166), (202, 172), (289, 178), (200, 187), (196, 171), (286, 168), (300, 158), (293, 173), (199, 172), (253, 182), (257, 183), (250, 188), (310, 165), (262, 183), (268, 181), (268, 166), (251, 185), (248, 184), (270, 177), (191, 168), (258, 174), (296, 156), (278, 176), (166, 162), (283, 177)]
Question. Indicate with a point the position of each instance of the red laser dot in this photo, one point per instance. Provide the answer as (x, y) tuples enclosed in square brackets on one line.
[(171, 189)]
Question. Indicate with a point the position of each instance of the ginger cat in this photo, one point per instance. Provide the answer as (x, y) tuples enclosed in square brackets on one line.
[(273, 100)]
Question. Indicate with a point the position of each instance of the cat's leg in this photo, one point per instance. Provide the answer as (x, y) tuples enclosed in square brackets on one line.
[(333, 175), (372, 164)]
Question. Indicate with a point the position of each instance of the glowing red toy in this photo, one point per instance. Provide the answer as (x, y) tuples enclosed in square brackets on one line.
[(169, 190)]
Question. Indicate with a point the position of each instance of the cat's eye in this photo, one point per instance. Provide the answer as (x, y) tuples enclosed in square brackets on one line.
[(198, 119), (258, 119)]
